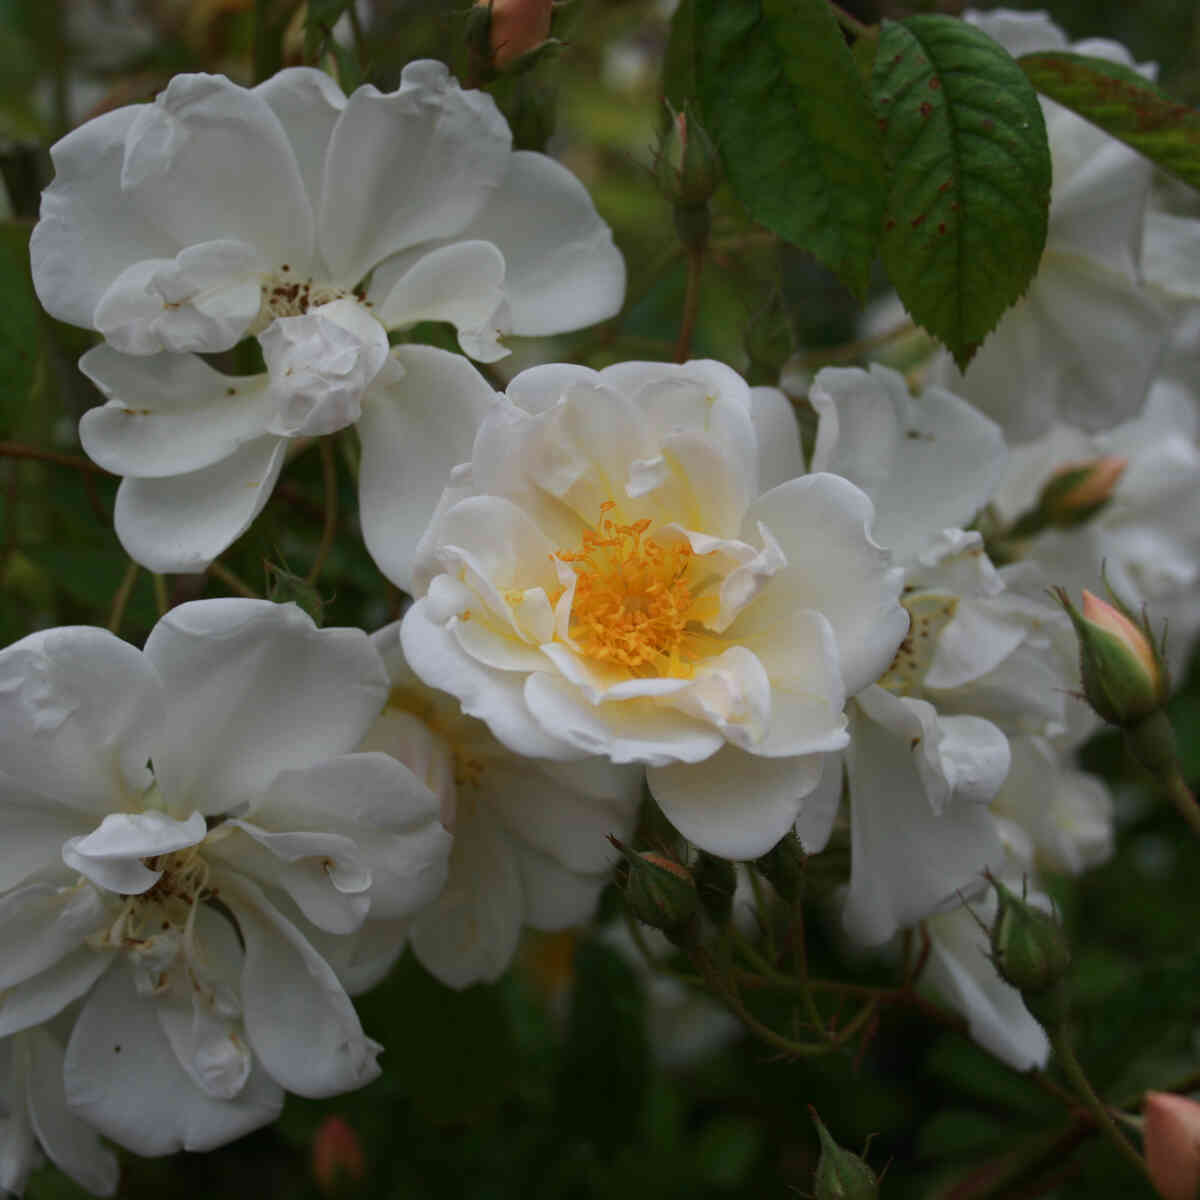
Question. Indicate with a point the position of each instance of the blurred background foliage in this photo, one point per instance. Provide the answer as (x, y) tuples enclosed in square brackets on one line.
[(577, 1076)]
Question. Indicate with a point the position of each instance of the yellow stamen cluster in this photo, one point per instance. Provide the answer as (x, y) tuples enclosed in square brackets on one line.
[(633, 598)]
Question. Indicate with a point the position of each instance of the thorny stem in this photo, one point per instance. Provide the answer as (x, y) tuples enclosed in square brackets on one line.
[(329, 529), (1061, 1040), (231, 581), (19, 450), (121, 597), (691, 304)]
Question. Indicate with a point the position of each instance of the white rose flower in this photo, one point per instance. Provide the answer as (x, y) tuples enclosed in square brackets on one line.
[(35, 1119), (317, 222), (175, 898), (1084, 340), (530, 838), (628, 567)]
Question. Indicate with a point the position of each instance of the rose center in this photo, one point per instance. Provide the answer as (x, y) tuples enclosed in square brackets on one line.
[(635, 605)]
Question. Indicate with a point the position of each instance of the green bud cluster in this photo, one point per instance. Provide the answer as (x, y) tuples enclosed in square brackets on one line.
[(1031, 952), (688, 169), (660, 892)]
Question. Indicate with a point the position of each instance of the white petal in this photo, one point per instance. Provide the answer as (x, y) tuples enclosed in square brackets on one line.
[(551, 813), (168, 414), (40, 924), (555, 898), (204, 299), (256, 688), (734, 804), (913, 842), (90, 230), (834, 568), (493, 696), (626, 731), (389, 817), (562, 270), (926, 462), (779, 455), (462, 283), (469, 933), (124, 1080), (32, 832), (307, 103), (960, 971), (210, 160), (1171, 255), (414, 428), (43, 996), (79, 711), (111, 855), (815, 822), (321, 872), (69, 1143), (299, 1020), (407, 167), (320, 365), (180, 523), (1083, 343)]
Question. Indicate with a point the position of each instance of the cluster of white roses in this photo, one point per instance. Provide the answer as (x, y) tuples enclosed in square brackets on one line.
[(622, 576)]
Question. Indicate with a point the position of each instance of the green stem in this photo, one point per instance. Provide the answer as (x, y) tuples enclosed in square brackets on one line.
[(1183, 798), (691, 304), (19, 450), (121, 597), (1061, 1040), (231, 581), (849, 23), (161, 602)]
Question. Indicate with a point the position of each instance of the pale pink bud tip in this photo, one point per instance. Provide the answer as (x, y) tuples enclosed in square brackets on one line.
[(518, 26), (337, 1155), (1172, 1140), (1096, 486), (1101, 613)]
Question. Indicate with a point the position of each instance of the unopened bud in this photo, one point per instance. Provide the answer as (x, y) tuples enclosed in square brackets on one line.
[(1030, 951), (783, 867), (283, 586), (1078, 491), (688, 170), (517, 27), (840, 1174), (338, 1161), (1124, 677), (659, 891), (716, 882), (1074, 494), (1171, 1135)]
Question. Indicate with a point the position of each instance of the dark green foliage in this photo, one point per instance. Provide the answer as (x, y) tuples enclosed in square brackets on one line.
[(969, 176)]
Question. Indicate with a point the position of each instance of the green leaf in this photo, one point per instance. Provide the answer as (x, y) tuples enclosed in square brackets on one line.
[(783, 100), (969, 176), (1123, 104)]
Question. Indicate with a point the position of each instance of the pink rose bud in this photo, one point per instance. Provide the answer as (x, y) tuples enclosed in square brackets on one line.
[(338, 1161), (1124, 678), (1172, 1140), (1078, 491), (517, 27)]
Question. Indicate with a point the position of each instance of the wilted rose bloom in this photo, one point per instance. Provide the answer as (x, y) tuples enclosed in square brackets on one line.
[(181, 900), (628, 567), (315, 222)]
